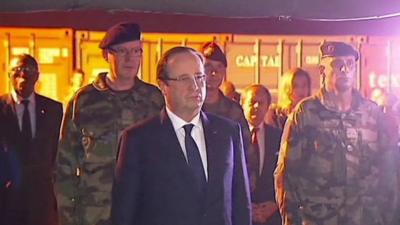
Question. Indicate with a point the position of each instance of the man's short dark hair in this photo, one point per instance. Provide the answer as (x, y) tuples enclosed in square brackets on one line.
[(30, 60), (336, 49), (259, 87), (162, 72), (120, 33)]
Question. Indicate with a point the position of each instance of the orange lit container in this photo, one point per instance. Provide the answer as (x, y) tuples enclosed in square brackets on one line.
[(251, 58), (52, 48), (380, 64)]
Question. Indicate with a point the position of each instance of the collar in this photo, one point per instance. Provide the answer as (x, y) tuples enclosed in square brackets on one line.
[(328, 102), (260, 127), (178, 123), (100, 82), (17, 99)]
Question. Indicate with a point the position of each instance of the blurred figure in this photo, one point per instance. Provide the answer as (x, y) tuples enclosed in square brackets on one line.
[(262, 156), (389, 104), (228, 89), (29, 132), (76, 82), (93, 123), (385, 99), (295, 85), (216, 102), (338, 161), (377, 95), (77, 79)]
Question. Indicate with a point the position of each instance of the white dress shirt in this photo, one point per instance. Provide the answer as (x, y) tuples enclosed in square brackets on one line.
[(261, 144), (19, 109), (197, 134)]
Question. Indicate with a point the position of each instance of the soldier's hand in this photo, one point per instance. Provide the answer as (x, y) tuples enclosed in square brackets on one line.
[(263, 211), (256, 215)]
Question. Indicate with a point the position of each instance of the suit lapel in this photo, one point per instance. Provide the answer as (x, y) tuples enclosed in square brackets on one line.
[(173, 151), (211, 139), (269, 154), (266, 151), (12, 114), (40, 110)]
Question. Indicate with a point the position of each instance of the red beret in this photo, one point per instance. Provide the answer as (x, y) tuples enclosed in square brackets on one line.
[(211, 50), (332, 49), (120, 33)]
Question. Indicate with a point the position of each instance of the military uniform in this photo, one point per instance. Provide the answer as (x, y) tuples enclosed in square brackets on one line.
[(92, 126), (337, 168), (230, 109), (225, 106)]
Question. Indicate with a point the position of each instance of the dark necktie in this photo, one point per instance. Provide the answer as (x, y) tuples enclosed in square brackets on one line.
[(256, 147), (26, 123), (194, 159)]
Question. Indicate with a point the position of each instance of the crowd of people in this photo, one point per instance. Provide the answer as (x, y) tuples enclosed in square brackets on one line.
[(193, 151)]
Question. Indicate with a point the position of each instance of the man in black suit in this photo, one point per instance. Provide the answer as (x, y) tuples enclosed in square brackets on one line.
[(30, 128), (263, 155), (165, 177)]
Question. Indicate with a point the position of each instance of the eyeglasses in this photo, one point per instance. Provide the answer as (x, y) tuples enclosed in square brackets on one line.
[(124, 51), (19, 69), (187, 79), (343, 65)]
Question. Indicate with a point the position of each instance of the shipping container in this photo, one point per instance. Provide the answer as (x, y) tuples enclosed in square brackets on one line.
[(264, 59), (380, 66), (260, 59), (52, 48)]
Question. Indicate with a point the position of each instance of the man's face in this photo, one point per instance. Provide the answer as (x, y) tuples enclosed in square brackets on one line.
[(23, 75), (185, 95), (339, 72), (255, 105), (124, 59), (216, 72)]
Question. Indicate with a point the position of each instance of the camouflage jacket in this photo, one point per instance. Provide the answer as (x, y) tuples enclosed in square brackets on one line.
[(337, 168), (92, 125), (230, 109)]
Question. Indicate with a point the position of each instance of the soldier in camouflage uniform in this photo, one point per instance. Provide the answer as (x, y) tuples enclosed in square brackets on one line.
[(92, 125), (337, 159), (216, 102)]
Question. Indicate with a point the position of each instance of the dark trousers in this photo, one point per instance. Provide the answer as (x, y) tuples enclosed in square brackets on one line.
[(14, 217)]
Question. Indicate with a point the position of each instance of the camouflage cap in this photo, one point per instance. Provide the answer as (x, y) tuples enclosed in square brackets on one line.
[(332, 49), (120, 33), (211, 50)]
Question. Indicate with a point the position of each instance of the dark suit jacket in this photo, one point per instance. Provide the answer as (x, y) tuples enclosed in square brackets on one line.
[(33, 201), (153, 185), (10, 169), (263, 186)]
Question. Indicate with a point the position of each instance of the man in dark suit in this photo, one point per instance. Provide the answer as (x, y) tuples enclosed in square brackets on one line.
[(165, 177), (30, 129), (263, 155)]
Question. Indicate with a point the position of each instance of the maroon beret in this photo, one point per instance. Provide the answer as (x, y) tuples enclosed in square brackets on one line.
[(332, 49), (120, 33), (211, 50)]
